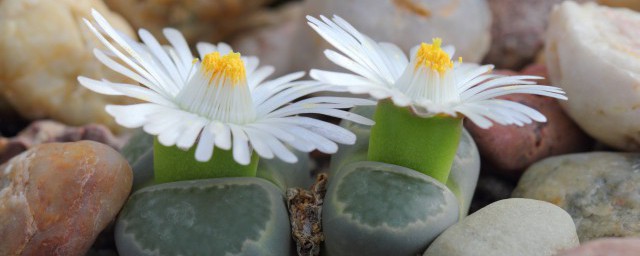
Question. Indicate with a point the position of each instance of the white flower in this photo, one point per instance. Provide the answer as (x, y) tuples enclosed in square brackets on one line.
[(221, 100), (430, 83)]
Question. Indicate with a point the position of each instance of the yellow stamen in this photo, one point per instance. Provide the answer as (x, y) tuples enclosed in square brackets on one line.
[(433, 57), (229, 66)]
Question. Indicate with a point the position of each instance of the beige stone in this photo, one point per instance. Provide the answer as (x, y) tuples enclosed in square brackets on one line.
[(210, 20), (56, 198), (592, 53), (44, 47)]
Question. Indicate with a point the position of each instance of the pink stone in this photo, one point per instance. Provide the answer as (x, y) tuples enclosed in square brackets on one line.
[(511, 149), (606, 247), (55, 198)]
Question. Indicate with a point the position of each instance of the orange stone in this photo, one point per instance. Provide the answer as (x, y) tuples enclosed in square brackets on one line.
[(56, 198)]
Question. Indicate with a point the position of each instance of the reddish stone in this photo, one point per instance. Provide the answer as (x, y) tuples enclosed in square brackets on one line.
[(606, 247), (56, 198), (511, 149)]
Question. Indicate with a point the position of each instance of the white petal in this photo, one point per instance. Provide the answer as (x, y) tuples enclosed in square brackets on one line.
[(205, 48), (241, 152), (133, 116), (109, 88), (204, 150), (328, 130), (223, 134), (162, 56), (191, 133), (258, 143)]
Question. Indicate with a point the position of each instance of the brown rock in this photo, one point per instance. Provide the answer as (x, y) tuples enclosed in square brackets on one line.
[(210, 21), (631, 4), (511, 149), (47, 131), (56, 198), (606, 247), (517, 31)]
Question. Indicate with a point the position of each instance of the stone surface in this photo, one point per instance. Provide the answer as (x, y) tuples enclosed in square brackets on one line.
[(210, 21), (272, 40), (462, 23), (225, 216), (509, 227), (56, 198), (606, 247), (599, 189), (592, 53), (517, 31), (373, 208), (47, 131), (45, 46), (511, 149), (631, 4)]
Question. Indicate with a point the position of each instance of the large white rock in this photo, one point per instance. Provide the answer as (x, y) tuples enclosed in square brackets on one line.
[(593, 53), (509, 227), (462, 23)]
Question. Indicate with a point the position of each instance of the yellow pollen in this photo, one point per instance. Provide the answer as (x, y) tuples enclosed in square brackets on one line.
[(229, 66), (433, 57)]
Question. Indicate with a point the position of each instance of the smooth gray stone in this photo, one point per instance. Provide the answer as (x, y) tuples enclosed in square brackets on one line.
[(601, 191), (228, 216), (516, 226), (139, 153), (374, 208), (464, 171)]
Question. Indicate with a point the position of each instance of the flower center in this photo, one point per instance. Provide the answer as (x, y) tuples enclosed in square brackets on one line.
[(229, 66), (433, 57), (218, 90)]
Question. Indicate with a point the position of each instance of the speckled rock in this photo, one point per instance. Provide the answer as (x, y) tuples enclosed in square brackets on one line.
[(210, 21), (599, 189), (46, 131), (606, 247), (462, 23), (56, 198), (45, 46), (511, 149), (592, 53), (517, 31), (509, 227)]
